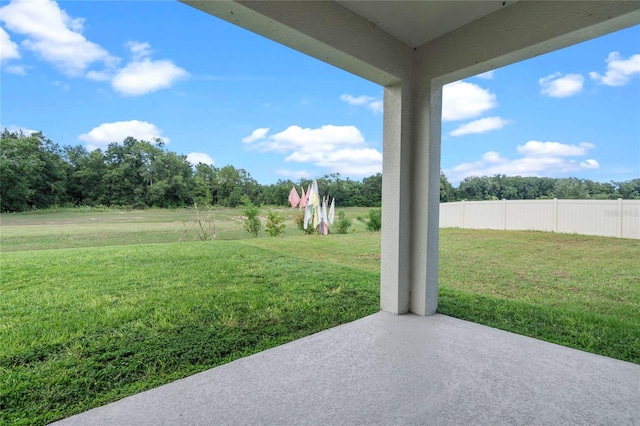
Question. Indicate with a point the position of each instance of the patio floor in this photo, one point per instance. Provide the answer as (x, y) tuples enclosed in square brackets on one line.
[(389, 369)]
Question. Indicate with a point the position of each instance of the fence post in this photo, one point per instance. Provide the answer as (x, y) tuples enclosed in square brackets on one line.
[(619, 215), (504, 214), (462, 213), (555, 215)]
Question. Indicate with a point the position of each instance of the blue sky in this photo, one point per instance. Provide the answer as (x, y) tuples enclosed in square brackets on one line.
[(92, 72)]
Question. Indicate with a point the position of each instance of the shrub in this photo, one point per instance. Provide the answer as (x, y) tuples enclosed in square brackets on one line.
[(252, 222), (275, 224), (299, 221), (373, 221), (342, 224)]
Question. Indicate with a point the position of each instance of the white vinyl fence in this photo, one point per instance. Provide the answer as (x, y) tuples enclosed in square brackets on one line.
[(609, 218)]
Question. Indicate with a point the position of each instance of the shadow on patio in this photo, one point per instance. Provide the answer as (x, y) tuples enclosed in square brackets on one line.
[(389, 369)]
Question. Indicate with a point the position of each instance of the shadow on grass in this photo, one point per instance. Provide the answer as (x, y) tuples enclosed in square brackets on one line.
[(579, 329)]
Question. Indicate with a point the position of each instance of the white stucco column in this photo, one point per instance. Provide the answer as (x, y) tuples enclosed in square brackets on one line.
[(410, 196), (395, 266)]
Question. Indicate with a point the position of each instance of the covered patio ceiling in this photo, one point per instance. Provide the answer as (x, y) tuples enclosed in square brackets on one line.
[(418, 22), (355, 35)]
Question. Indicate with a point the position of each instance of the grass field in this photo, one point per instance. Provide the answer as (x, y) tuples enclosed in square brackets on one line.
[(90, 228), (96, 306)]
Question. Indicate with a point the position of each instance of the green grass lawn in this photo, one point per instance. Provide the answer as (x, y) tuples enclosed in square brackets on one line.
[(96, 306)]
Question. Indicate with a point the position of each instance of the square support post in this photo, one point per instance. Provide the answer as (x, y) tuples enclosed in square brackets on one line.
[(411, 196)]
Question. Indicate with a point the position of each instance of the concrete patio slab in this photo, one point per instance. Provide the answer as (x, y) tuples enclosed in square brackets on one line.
[(389, 369)]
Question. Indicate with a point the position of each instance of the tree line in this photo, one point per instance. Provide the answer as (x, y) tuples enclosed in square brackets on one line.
[(36, 173)]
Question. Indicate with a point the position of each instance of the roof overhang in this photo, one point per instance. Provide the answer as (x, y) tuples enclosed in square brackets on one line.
[(379, 40)]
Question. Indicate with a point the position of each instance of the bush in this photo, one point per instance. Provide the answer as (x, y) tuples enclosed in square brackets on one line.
[(373, 221), (299, 221), (275, 224), (343, 224), (252, 222)]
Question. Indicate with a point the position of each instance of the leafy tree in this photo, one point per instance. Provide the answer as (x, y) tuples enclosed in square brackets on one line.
[(126, 176), (204, 182), (142, 174), (278, 193), (232, 184), (19, 166), (447, 193), (51, 184), (252, 222), (32, 172), (601, 191), (85, 173), (372, 190), (170, 181), (570, 188), (275, 224), (629, 190), (505, 187), (477, 188)]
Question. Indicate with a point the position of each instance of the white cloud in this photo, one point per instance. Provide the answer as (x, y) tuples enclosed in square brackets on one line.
[(17, 129), (558, 86), (545, 149), (590, 164), (99, 75), (16, 69), (8, 49), (480, 126), (142, 75), (539, 159), (462, 100), (139, 49), (374, 104), (257, 135), (146, 76), (486, 75), (492, 157), (106, 133), (199, 157), (619, 71), (297, 136), (57, 38), (340, 149), (353, 100), (54, 35)]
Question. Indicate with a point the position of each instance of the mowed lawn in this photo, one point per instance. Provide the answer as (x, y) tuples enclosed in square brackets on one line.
[(96, 306)]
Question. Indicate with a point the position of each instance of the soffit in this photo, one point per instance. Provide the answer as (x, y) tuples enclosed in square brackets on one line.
[(418, 22)]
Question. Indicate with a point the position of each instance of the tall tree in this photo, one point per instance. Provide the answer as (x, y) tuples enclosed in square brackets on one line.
[(372, 190), (32, 172), (85, 173), (570, 188), (629, 190), (204, 183), (447, 193)]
